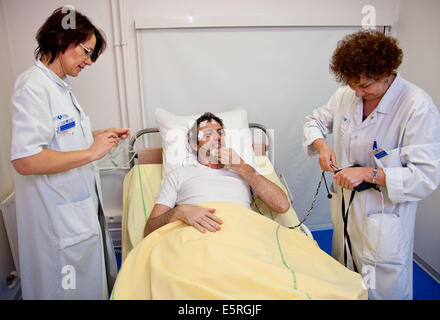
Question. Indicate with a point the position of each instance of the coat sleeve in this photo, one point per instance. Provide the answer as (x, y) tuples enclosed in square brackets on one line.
[(419, 156), (32, 124), (320, 123)]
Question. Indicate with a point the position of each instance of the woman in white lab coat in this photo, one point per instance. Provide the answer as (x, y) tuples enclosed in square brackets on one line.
[(59, 214), (386, 131)]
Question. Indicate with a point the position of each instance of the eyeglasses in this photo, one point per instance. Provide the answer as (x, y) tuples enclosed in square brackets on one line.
[(87, 51)]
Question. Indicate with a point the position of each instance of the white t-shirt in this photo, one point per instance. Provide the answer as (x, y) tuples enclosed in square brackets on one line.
[(198, 183)]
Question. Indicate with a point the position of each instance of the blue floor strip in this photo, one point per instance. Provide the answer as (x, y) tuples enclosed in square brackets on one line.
[(424, 286), (118, 257)]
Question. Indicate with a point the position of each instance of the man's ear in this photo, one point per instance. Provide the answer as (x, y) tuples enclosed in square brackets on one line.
[(193, 146)]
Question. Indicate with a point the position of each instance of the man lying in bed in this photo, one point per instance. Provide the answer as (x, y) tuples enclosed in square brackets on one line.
[(219, 175)]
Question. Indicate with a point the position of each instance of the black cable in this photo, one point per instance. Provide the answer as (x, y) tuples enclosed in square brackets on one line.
[(326, 187), (314, 200)]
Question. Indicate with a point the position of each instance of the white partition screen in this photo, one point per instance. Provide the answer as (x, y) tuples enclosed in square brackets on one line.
[(280, 74)]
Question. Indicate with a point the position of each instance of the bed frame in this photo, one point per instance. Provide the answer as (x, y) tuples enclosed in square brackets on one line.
[(154, 156)]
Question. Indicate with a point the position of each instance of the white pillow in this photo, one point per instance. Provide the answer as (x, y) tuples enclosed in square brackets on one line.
[(174, 133)]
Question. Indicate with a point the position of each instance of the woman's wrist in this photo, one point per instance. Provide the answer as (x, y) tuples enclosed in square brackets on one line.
[(371, 174), (368, 174), (321, 146), (97, 132), (90, 155)]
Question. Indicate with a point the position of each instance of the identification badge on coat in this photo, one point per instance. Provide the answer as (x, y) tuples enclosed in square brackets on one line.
[(378, 152), (64, 124)]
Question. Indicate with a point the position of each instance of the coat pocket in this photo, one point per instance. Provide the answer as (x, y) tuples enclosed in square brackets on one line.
[(61, 179), (391, 160), (75, 222), (381, 237)]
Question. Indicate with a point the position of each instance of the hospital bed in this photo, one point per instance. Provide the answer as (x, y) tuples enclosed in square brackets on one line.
[(142, 184), (251, 257)]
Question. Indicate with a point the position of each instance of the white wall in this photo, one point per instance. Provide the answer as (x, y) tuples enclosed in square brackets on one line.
[(418, 34), (6, 85), (6, 179), (292, 12)]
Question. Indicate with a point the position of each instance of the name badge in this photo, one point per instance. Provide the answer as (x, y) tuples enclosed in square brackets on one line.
[(378, 152), (64, 124)]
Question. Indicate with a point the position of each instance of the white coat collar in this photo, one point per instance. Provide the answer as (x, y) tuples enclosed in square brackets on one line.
[(64, 82), (386, 103)]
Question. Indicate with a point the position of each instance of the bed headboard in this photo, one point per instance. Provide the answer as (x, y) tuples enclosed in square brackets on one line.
[(154, 155)]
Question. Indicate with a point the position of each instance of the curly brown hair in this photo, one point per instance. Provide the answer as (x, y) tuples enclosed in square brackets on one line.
[(367, 52)]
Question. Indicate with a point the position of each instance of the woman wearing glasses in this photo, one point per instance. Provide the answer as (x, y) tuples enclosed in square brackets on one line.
[(65, 251)]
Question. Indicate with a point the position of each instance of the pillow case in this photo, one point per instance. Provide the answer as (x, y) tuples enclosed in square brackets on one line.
[(174, 133)]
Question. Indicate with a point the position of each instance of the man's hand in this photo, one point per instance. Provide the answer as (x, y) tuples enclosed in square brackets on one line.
[(230, 159), (272, 195), (200, 218)]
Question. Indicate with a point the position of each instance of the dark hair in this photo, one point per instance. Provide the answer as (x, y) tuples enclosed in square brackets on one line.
[(54, 37), (366, 52), (194, 131)]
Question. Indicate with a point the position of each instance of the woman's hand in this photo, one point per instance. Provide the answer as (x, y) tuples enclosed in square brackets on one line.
[(326, 155), (102, 145), (349, 178), (120, 132), (105, 140)]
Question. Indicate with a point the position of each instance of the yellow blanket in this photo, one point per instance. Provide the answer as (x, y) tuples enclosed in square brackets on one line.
[(251, 257)]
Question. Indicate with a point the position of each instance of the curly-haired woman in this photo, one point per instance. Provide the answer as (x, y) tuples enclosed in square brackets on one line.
[(386, 132)]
